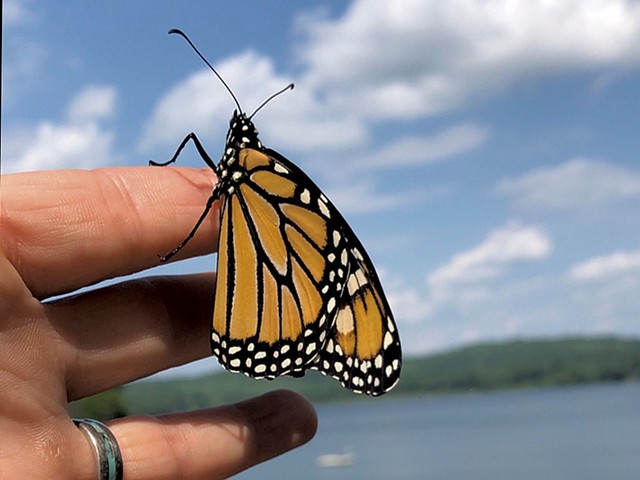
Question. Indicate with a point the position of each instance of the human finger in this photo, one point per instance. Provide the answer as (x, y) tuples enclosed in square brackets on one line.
[(116, 334), (213, 443), (66, 229)]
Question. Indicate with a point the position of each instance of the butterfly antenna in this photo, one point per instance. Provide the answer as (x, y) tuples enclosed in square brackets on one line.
[(288, 87), (183, 35)]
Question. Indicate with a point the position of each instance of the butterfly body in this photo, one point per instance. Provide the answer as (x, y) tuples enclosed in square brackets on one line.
[(295, 288), (242, 134)]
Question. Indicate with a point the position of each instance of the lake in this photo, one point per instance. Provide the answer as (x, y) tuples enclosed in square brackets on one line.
[(585, 432)]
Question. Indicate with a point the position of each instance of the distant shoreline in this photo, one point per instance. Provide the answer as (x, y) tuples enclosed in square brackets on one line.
[(517, 364)]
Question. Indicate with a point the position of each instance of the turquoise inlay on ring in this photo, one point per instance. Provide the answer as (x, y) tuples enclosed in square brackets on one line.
[(106, 447)]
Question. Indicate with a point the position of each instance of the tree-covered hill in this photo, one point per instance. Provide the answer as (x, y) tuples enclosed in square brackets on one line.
[(514, 364)]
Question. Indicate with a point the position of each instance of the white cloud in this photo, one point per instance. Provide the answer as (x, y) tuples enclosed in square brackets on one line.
[(399, 59), (362, 196), (409, 304), (407, 151), (23, 64), (605, 267), (196, 104), (16, 12), (296, 120), (354, 192), (92, 103), (600, 298), (502, 247), (457, 298), (80, 141), (23, 58), (437, 317), (434, 319), (403, 58), (576, 184)]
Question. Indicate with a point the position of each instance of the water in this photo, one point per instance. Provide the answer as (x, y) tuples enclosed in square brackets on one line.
[(586, 433)]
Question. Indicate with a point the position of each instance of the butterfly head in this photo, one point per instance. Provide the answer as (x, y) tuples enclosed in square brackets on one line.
[(242, 133)]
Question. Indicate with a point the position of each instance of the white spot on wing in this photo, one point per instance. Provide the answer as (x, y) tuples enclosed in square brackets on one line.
[(388, 340), (310, 348), (352, 285), (390, 325), (344, 321), (331, 304), (378, 361), (329, 347), (279, 168), (323, 208), (362, 278)]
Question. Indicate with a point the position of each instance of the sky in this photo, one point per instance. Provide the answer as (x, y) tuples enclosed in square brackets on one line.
[(485, 151)]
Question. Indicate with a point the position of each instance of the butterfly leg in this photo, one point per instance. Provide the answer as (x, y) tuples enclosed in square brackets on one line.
[(192, 136), (214, 196)]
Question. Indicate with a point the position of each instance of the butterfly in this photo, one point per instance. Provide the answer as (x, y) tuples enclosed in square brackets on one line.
[(295, 288)]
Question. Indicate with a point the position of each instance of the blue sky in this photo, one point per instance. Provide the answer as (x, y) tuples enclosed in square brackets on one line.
[(486, 152)]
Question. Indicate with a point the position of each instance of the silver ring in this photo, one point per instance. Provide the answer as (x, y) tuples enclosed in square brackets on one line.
[(106, 448)]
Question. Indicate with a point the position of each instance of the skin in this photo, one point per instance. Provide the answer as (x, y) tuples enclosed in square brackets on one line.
[(63, 230)]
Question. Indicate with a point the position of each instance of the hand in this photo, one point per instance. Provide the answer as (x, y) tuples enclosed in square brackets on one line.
[(62, 230)]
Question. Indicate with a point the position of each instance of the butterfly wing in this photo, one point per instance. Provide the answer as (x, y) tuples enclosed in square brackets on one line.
[(282, 266), (362, 350)]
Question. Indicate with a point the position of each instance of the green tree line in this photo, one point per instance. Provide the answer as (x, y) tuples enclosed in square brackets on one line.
[(489, 366)]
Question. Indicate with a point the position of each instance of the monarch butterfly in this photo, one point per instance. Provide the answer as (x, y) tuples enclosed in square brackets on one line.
[(295, 288)]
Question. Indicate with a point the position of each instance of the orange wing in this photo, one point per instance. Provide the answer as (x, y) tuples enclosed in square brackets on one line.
[(280, 277)]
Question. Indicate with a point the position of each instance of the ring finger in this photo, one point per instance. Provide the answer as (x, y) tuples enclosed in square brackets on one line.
[(130, 330)]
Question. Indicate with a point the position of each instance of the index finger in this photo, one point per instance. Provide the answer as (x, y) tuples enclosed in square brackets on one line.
[(66, 229)]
